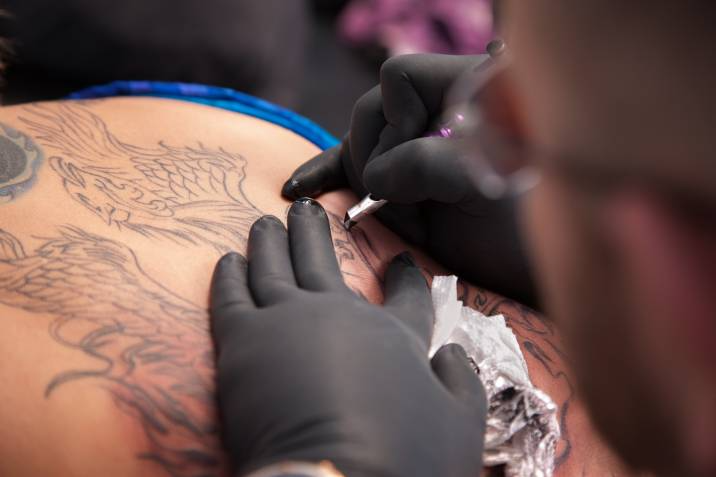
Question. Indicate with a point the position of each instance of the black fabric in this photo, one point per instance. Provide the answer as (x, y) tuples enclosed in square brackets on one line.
[(233, 43)]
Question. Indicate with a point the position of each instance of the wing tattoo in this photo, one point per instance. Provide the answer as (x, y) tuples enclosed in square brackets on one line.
[(189, 195), (148, 347)]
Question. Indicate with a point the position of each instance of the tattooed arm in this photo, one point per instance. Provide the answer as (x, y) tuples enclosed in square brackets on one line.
[(113, 214)]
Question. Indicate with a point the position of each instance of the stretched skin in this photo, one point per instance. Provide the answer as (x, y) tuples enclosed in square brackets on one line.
[(109, 232)]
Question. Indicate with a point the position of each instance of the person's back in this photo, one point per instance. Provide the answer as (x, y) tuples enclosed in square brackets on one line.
[(114, 213)]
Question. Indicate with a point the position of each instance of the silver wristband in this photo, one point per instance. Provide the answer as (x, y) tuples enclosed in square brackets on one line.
[(298, 469)]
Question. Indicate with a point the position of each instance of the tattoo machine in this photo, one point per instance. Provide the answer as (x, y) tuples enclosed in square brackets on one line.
[(368, 205)]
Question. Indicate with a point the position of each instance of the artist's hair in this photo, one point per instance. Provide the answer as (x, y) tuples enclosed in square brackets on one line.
[(5, 51)]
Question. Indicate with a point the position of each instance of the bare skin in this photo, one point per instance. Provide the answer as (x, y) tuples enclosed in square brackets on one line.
[(114, 215)]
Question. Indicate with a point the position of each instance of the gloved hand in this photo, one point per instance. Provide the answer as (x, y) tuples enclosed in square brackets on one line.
[(433, 201), (308, 371)]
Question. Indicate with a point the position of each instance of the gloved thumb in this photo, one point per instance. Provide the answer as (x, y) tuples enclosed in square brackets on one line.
[(452, 367), (323, 173)]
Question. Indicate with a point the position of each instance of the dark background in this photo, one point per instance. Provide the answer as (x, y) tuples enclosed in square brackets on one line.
[(286, 51)]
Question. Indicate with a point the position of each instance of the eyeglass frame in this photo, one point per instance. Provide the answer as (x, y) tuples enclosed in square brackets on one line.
[(486, 143)]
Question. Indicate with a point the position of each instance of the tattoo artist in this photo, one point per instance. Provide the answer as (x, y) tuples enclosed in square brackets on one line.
[(610, 104)]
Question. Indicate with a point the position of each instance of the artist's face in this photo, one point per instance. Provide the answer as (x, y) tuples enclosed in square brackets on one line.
[(583, 283), (581, 275)]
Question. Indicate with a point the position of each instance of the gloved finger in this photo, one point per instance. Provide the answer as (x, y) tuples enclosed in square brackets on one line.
[(323, 173), (367, 122), (229, 297), (314, 259), (271, 278), (407, 297), (452, 366), (419, 170), (413, 91)]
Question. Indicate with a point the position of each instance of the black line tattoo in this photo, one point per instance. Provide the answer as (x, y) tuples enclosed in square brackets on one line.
[(149, 348), (189, 195), (20, 160), (355, 255), (538, 338)]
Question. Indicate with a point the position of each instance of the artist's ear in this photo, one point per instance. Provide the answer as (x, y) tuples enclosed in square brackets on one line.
[(669, 264)]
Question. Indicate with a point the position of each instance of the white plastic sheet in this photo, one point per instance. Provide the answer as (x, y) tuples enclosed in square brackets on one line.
[(522, 429)]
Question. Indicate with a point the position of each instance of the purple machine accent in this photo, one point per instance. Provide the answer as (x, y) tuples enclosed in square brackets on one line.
[(448, 130), (419, 26)]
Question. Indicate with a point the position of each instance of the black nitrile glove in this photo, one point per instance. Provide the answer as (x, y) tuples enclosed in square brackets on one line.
[(433, 201), (308, 371)]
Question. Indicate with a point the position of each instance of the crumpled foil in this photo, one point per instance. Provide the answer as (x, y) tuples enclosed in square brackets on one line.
[(522, 429)]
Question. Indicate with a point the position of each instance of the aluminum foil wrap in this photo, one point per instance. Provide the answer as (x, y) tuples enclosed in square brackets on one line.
[(522, 429)]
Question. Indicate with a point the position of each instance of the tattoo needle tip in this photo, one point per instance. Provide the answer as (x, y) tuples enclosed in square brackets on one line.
[(364, 208), (348, 223)]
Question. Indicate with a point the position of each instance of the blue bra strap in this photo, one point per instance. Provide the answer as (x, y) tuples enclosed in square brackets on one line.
[(224, 98)]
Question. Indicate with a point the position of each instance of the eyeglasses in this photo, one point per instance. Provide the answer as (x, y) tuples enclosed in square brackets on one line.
[(503, 165), (498, 159)]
